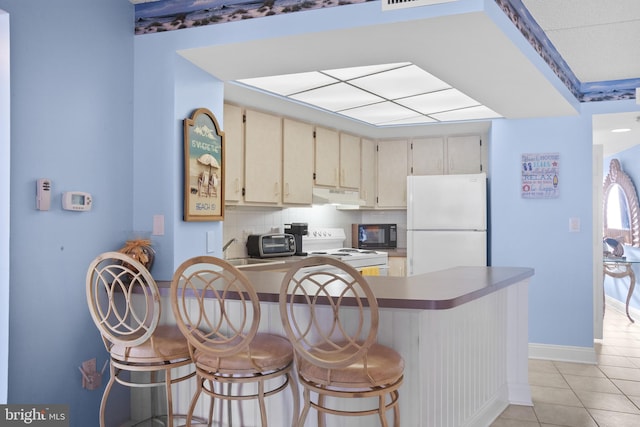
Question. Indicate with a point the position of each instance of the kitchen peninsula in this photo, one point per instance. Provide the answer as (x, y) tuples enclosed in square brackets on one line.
[(463, 333)]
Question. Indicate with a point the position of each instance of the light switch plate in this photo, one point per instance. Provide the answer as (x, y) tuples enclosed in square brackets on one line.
[(211, 242), (574, 225)]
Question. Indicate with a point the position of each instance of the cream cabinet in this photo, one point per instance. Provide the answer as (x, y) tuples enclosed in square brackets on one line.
[(263, 158), (337, 159), (397, 266), (392, 171), (427, 156), (464, 154), (368, 172), (450, 155), (349, 161), (297, 172), (233, 123)]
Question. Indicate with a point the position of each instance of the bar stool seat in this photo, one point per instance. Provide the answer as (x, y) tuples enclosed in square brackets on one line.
[(384, 366)]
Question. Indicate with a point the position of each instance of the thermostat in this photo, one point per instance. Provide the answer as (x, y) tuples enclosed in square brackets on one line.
[(76, 201)]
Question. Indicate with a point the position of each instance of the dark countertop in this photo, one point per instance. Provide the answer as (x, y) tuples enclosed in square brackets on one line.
[(431, 291)]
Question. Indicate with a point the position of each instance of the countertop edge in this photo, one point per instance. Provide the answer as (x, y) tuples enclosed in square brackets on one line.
[(467, 283)]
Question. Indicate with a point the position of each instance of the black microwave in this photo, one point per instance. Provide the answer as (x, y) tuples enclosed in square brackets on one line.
[(374, 236)]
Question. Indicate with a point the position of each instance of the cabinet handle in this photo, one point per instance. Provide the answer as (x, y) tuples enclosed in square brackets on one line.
[(276, 191), (237, 182), (343, 177), (286, 189)]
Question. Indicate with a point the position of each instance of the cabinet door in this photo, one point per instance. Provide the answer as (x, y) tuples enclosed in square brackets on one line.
[(368, 172), (464, 154), (327, 150), (233, 153), (392, 173), (297, 172), (349, 161), (263, 157), (427, 156)]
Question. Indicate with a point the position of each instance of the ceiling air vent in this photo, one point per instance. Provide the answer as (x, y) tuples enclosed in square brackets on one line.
[(403, 4)]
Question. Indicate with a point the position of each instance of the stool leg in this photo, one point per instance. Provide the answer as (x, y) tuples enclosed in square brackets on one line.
[(194, 401), (382, 412), (293, 384), (167, 382), (105, 395)]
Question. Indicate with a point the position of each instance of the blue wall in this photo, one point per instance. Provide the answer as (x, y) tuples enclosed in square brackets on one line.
[(96, 109), (535, 232), (71, 122)]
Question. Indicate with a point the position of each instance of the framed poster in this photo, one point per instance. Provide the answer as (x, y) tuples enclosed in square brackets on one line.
[(540, 173), (203, 167)]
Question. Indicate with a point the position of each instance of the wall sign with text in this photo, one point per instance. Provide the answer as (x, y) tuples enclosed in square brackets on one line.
[(540, 175)]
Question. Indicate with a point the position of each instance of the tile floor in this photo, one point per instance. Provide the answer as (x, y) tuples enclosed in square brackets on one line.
[(582, 395)]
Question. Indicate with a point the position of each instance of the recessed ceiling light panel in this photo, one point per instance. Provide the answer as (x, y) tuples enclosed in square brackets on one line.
[(380, 113), (289, 84), (473, 113), (355, 72), (437, 102), (400, 82), (336, 97)]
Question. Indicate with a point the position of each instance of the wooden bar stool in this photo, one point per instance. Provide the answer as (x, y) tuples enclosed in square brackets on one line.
[(131, 330), (218, 311), (331, 317)]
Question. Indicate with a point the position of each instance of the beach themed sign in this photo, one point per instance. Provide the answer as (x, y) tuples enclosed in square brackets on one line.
[(540, 175), (203, 167)]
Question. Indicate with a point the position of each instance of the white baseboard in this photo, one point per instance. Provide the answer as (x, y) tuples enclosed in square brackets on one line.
[(564, 353)]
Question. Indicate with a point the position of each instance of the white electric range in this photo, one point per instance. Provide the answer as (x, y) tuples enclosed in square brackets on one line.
[(330, 242)]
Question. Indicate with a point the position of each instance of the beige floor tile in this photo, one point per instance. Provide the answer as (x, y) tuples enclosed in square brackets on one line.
[(607, 401), (635, 361), (539, 365), (505, 422), (603, 385), (630, 388), (563, 415), (615, 419), (619, 373), (635, 400), (579, 369), (608, 349), (519, 412), (547, 379), (622, 361), (558, 396)]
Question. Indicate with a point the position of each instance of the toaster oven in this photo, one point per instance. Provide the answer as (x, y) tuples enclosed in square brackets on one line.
[(270, 245)]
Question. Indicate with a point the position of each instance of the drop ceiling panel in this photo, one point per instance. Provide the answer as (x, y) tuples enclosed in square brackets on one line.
[(472, 54)]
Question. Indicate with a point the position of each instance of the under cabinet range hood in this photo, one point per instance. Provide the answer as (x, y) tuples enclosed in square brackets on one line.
[(334, 196)]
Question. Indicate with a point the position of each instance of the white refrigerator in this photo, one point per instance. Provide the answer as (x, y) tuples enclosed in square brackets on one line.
[(446, 222)]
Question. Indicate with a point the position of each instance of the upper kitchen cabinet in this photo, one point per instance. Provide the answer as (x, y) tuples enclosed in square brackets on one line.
[(427, 156), (297, 175), (368, 172), (464, 154), (392, 173), (233, 153), (263, 158), (450, 155), (337, 159), (349, 161)]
